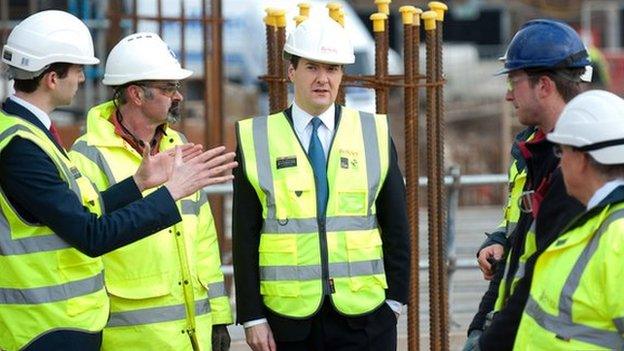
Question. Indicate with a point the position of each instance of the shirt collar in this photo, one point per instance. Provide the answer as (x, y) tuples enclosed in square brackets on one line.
[(42, 116), (301, 118), (603, 192)]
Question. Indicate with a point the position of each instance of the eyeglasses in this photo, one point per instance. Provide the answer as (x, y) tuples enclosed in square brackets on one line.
[(169, 89), (512, 82)]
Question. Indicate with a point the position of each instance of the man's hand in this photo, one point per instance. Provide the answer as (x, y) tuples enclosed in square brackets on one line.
[(260, 338), (489, 253), (155, 170), (220, 338), (208, 168)]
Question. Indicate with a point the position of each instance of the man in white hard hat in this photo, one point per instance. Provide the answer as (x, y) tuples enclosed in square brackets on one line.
[(575, 300), (166, 291), (320, 228), (53, 223)]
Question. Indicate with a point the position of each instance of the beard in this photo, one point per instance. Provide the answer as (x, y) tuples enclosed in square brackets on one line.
[(173, 115)]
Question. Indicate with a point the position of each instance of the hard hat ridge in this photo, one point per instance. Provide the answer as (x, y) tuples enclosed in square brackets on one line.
[(142, 56), (320, 40), (45, 38), (545, 44)]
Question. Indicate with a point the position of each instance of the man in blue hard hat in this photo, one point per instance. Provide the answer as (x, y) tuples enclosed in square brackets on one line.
[(546, 66)]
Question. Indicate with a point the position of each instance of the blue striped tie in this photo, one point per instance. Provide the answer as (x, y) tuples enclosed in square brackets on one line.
[(317, 157)]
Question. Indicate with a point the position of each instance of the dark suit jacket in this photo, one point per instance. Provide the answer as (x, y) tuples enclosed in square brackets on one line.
[(31, 182), (247, 223)]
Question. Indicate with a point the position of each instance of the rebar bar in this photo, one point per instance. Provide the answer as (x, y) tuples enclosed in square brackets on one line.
[(282, 67), (432, 185), (381, 60), (271, 64), (411, 172)]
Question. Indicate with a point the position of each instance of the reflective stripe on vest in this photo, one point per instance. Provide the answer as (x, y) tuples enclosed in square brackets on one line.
[(310, 225), (216, 289), (336, 270), (562, 324), (619, 324), (156, 314), (93, 154), (22, 246), (54, 293), (190, 207)]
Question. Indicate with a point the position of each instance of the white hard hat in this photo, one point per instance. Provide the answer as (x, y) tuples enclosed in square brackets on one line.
[(593, 122), (45, 38), (320, 40), (142, 56)]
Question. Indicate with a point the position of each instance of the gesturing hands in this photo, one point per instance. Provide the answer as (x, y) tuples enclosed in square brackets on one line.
[(154, 170), (185, 169), (206, 168)]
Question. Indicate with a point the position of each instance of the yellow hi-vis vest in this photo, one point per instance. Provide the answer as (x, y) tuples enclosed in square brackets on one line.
[(297, 248), (166, 290), (45, 284), (517, 180), (576, 300)]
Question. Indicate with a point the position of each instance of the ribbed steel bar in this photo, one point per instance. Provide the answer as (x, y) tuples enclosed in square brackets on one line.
[(271, 64), (282, 67), (182, 58), (411, 173), (159, 17), (433, 205)]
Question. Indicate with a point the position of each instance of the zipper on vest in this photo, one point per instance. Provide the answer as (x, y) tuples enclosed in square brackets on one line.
[(328, 286)]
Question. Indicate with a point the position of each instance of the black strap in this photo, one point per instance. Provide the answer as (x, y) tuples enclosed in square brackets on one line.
[(601, 145)]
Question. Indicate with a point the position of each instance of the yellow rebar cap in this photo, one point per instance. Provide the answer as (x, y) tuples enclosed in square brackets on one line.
[(280, 17), (407, 14), (383, 6), (334, 10), (429, 17), (417, 14), (439, 8), (298, 19), (379, 20), (270, 18), (304, 9)]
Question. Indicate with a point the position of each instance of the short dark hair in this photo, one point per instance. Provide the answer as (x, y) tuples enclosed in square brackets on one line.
[(609, 172), (30, 85), (567, 80), (294, 61), (119, 93)]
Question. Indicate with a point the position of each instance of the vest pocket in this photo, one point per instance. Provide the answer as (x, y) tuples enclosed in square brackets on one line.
[(140, 288), (295, 197), (363, 245), (282, 289), (353, 202), (75, 266), (278, 250)]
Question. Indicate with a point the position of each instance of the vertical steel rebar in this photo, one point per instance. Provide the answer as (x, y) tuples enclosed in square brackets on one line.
[(335, 12), (159, 17), (282, 67), (411, 171), (381, 61), (432, 185), (135, 20), (269, 21), (208, 118), (439, 9)]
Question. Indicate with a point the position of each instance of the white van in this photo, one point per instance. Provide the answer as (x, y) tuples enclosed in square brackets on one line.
[(244, 40)]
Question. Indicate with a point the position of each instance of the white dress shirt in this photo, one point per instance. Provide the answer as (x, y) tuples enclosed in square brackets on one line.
[(303, 127), (42, 116), (602, 193)]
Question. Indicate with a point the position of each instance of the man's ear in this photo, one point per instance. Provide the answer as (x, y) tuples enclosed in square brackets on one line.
[(291, 72), (135, 94), (49, 80)]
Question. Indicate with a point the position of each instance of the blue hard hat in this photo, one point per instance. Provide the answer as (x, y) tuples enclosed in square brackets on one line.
[(545, 44)]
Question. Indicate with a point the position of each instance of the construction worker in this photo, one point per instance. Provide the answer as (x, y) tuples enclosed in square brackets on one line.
[(53, 223), (545, 65), (320, 234), (165, 291), (575, 300)]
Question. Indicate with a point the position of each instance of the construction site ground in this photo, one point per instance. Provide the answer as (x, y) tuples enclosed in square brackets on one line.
[(467, 284)]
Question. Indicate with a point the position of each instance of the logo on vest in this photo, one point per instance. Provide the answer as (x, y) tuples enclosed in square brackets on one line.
[(282, 222), (349, 159), (75, 172), (344, 162), (286, 162)]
